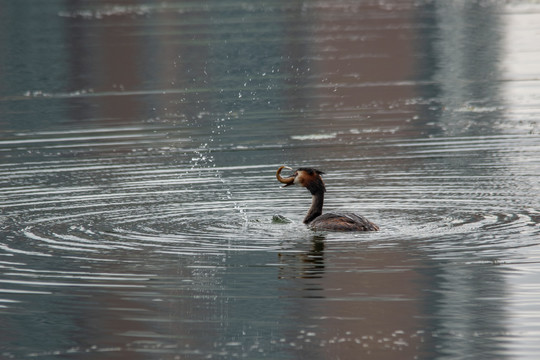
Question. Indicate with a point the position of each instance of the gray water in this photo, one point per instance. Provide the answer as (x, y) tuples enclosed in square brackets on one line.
[(138, 146)]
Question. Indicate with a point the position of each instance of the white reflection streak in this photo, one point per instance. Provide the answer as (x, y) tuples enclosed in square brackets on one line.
[(522, 81)]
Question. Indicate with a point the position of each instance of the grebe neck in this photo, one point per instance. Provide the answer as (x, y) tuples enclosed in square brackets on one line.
[(316, 207)]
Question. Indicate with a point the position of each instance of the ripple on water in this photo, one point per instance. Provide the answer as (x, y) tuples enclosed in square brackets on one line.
[(110, 223), (187, 209), (144, 208)]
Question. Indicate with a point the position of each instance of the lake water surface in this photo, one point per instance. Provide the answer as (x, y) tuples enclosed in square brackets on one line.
[(138, 146)]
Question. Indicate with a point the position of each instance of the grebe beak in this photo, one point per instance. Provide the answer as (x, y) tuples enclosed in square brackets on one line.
[(287, 181)]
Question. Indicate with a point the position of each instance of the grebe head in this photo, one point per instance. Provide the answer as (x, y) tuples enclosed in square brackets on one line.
[(306, 177)]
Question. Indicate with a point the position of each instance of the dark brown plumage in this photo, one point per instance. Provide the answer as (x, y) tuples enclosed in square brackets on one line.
[(311, 179)]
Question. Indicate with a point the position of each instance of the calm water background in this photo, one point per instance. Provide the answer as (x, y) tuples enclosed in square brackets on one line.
[(138, 146)]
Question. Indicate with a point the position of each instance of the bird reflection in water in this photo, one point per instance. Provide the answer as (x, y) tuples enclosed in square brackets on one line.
[(311, 264)]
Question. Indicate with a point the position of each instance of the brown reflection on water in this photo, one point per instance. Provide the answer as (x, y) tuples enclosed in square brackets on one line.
[(361, 303), (138, 67), (373, 302), (359, 52), (175, 312), (116, 316), (102, 59), (357, 59)]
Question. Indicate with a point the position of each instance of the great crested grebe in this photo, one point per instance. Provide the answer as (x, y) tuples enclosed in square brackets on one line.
[(311, 179)]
